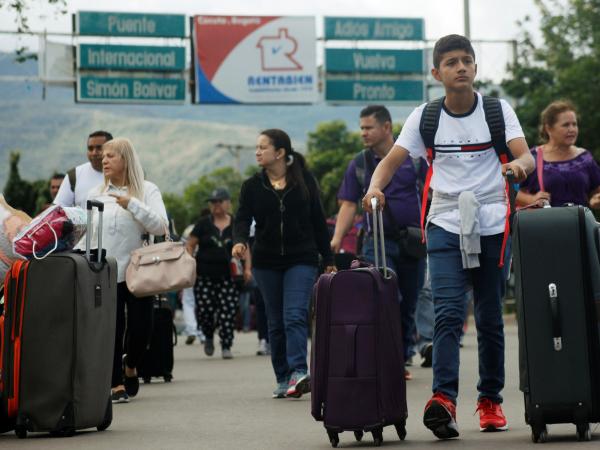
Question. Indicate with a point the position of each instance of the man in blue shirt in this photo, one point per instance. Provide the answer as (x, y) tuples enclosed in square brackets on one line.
[(402, 211)]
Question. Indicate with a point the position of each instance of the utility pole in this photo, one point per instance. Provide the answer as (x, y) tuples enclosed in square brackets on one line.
[(467, 19), (235, 151)]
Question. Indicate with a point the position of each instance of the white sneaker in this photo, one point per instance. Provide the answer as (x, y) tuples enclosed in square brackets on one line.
[(263, 348)]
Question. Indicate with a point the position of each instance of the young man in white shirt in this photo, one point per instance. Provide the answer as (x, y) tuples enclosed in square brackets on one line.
[(464, 164), (80, 180)]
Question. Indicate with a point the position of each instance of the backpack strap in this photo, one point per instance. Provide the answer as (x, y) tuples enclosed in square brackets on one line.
[(430, 120), (363, 165), (495, 121), (539, 163), (494, 117), (72, 178)]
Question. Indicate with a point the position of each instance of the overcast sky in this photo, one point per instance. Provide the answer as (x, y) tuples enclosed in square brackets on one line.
[(490, 19)]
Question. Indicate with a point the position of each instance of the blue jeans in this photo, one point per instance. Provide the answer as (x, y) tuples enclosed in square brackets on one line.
[(245, 310), (410, 273), (424, 316), (449, 284), (287, 297)]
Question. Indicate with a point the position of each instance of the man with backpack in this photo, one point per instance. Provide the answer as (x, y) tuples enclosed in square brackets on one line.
[(80, 180), (469, 141), (400, 218)]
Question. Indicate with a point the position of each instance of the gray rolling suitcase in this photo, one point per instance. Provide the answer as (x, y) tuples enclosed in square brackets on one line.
[(557, 272), (58, 338)]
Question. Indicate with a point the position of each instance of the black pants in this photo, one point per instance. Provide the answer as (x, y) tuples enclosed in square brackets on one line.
[(134, 330)]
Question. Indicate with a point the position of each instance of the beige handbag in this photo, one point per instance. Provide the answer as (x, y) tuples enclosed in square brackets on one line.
[(159, 268)]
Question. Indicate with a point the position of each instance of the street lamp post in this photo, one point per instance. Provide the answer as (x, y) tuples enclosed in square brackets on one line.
[(467, 19), (235, 151)]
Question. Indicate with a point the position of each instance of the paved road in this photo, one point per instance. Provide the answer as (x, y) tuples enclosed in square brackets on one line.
[(216, 404)]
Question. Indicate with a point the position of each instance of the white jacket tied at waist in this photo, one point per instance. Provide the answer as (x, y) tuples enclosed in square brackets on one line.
[(123, 228), (468, 205)]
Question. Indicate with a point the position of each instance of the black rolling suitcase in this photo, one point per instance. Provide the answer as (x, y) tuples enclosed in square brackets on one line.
[(58, 337), (557, 273), (158, 359)]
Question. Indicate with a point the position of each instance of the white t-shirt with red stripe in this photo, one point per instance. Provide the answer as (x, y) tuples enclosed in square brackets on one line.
[(465, 160)]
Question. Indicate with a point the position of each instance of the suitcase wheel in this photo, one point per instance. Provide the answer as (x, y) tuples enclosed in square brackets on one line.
[(21, 432), (539, 435), (401, 430), (358, 435), (334, 438), (583, 432), (377, 436), (168, 378)]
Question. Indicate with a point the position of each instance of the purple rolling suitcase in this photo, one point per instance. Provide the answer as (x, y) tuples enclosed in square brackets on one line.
[(357, 363)]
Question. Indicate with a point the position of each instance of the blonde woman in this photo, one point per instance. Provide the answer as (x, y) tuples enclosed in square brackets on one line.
[(132, 208)]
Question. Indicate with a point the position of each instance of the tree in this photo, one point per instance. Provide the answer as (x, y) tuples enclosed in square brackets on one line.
[(177, 210), (330, 148), (18, 192), (565, 66), (21, 8), (186, 209)]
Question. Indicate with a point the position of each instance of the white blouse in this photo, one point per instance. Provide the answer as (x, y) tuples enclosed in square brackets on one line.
[(123, 228)]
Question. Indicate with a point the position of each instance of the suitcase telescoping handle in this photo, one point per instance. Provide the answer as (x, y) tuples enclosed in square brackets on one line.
[(556, 328), (378, 236), (512, 193), (91, 204)]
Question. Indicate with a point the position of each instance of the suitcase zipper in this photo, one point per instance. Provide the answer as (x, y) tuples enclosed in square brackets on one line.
[(17, 326), (9, 306), (7, 284), (281, 211)]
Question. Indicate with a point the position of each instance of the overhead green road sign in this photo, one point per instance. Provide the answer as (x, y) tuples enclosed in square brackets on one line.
[(339, 60), (374, 28), (374, 91), (130, 57), (91, 89), (92, 23)]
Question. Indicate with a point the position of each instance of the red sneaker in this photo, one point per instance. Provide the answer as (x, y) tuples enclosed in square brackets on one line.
[(440, 416), (491, 417)]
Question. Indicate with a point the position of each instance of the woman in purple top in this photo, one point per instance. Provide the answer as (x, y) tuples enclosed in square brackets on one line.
[(569, 174)]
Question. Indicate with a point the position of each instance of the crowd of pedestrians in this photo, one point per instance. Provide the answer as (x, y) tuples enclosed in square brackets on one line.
[(441, 181)]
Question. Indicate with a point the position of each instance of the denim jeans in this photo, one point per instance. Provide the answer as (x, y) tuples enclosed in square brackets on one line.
[(188, 301), (410, 273), (287, 298), (424, 315), (262, 326), (245, 310), (449, 284)]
